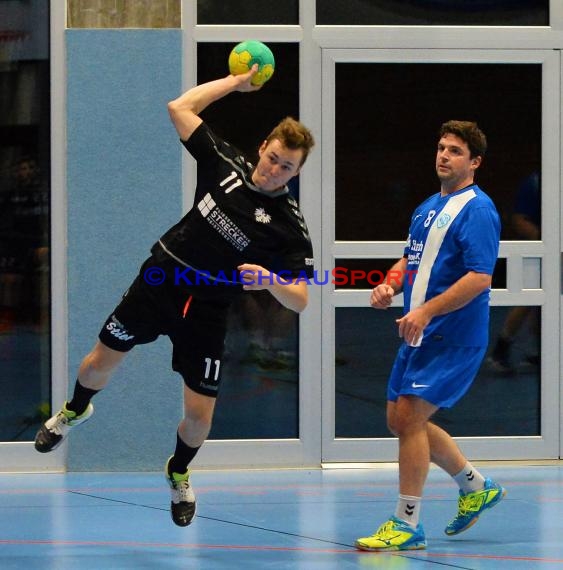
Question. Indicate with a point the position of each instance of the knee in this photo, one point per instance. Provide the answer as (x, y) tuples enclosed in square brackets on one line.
[(394, 425), (400, 424), (394, 421), (194, 427), (199, 418), (199, 414), (97, 362)]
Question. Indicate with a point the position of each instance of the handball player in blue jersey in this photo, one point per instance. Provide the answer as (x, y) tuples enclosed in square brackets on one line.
[(244, 232), (445, 277)]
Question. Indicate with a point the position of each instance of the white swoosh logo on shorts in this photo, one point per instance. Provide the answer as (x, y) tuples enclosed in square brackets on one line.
[(415, 385)]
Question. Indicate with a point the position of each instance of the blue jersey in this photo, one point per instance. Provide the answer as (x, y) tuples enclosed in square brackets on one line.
[(448, 237)]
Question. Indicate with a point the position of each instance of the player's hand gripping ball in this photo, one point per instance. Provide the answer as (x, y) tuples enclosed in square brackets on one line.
[(246, 54)]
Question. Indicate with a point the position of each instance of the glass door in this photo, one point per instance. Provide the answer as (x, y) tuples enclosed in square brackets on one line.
[(25, 236), (264, 414), (381, 113)]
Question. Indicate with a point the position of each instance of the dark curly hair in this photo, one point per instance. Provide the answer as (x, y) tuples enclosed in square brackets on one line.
[(468, 132)]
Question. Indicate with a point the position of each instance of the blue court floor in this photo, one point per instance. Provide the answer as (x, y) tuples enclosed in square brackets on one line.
[(290, 519)]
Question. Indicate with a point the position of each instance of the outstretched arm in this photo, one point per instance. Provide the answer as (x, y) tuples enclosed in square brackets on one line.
[(294, 296), (185, 109)]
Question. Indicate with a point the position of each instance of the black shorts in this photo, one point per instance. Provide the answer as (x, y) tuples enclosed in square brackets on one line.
[(196, 327)]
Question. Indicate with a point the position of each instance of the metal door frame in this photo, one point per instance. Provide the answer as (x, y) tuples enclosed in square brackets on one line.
[(523, 277)]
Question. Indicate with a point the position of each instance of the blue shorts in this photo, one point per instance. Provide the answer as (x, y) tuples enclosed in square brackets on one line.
[(440, 375)]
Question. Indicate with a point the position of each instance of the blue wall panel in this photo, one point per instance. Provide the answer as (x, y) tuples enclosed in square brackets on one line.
[(124, 191)]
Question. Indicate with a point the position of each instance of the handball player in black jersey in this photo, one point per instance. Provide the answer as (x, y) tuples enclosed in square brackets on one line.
[(243, 233)]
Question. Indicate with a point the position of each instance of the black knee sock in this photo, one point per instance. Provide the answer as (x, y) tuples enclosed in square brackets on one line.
[(80, 398), (182, 457)]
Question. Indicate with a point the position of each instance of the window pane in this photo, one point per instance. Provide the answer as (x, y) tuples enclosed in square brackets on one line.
[(524, 218), (259, 397), (247, 118), (361, 273), (249, 12), (387, 121), (433, 12), (363, 363), (261, 370), (24, 218), (509, 364)]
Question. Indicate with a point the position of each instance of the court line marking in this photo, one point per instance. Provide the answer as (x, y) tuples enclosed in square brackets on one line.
[(423, 556)]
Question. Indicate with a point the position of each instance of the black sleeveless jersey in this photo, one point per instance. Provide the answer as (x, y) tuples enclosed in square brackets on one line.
[(232, 222)]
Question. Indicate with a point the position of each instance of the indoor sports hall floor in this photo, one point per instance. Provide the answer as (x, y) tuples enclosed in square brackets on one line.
[(290, 519)]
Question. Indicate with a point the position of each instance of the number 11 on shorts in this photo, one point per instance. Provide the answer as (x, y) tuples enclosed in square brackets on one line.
[(208, 363)]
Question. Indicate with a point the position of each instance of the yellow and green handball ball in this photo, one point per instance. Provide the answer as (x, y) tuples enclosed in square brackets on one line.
[(246, 54)]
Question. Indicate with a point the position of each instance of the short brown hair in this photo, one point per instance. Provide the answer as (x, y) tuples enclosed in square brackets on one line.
[(468, 132), (293, 135)]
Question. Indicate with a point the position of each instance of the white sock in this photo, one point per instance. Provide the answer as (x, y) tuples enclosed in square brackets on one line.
[(408, 509), (469, 479)]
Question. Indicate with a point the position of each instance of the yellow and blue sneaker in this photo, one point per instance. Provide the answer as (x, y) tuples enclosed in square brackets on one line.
[(394, 534), (471, 505)]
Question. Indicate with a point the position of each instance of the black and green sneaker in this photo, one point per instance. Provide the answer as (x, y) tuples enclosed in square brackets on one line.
[(182, 504), (52, 433)]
